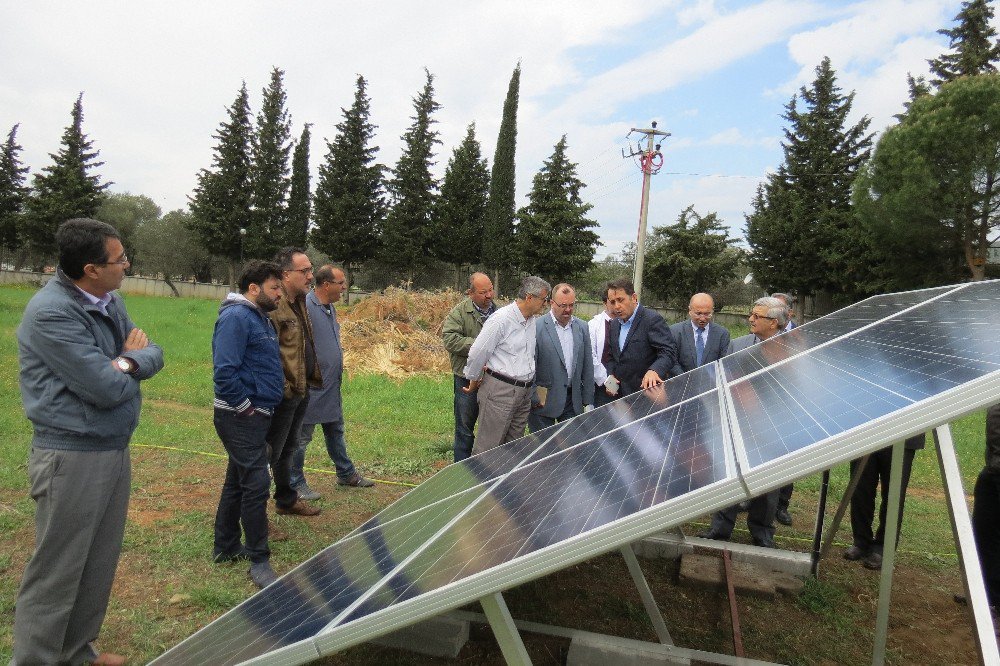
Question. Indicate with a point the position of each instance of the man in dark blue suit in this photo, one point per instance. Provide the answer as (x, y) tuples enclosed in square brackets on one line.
[(698, 340), (564, 363), (642, 349), (785, 494)]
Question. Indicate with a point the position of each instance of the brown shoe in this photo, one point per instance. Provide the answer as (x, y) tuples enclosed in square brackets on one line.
[(275, 533), (300, 508), (108, 659)]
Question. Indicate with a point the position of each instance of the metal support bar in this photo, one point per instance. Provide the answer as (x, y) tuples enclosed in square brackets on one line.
[(888, 554), (734, 612), (965, 544), (824, 491), (646, 594), (842, 509), (503, 628)]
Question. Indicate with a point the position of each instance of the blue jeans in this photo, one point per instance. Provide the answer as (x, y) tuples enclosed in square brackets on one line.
[(466, 413), (245, 490), (336, 448)]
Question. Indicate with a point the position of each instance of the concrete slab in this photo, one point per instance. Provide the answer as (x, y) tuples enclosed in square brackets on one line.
[(669, 546), (753, 578), (438, 637)]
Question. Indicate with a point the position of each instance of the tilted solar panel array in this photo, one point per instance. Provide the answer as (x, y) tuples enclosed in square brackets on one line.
[(826, 392)]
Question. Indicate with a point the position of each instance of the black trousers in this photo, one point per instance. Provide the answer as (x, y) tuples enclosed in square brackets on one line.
[(874, 477), (283, 439), (986, 527)]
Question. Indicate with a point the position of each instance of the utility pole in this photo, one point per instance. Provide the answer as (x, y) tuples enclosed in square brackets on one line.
[(650, 161)]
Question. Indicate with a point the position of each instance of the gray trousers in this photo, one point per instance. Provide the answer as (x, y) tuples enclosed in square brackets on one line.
[(760, 518), (503, 413), (81, 499)]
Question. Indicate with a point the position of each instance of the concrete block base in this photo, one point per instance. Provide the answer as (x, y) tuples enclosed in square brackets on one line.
[(438, 637), (748, 577)]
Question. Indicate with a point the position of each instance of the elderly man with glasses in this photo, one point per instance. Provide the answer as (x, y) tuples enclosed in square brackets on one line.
[(768, 318), (501, 366), (564, 364)]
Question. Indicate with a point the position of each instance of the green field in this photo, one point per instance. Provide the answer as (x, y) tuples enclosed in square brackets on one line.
[(399, 433)]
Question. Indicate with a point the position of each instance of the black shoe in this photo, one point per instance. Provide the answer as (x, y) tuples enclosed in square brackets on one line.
[(783, 517), (872, 561), (712, 534), (262, 574), (764, 543), (743, 506), (854, 553), (223, 558), (355, 481)]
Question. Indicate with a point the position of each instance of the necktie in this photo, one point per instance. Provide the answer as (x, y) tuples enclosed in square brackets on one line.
[(606, 352), (699, 344)]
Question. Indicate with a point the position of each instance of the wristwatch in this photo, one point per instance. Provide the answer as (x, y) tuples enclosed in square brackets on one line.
[(126, 365)]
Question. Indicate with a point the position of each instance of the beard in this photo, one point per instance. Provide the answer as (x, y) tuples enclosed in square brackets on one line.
[(265, 302)]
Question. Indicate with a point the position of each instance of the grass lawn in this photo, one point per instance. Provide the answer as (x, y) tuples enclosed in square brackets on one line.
[(400, 433)]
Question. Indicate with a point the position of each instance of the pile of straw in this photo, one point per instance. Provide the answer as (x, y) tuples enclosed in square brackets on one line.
[(397, 333)]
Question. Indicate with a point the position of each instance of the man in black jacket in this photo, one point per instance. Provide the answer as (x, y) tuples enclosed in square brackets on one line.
[(642, 349)]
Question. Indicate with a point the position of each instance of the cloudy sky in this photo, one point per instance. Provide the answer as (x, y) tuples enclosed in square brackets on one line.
[(716, 74)]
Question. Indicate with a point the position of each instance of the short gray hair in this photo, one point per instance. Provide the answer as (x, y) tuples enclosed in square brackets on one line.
[(787, 298), (776, 310), (534, 286)]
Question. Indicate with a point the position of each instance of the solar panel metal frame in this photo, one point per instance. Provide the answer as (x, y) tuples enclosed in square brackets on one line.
[(741, 482)]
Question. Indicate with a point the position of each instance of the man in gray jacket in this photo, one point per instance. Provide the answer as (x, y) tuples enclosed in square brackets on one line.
[(325, 406), (81, 361)]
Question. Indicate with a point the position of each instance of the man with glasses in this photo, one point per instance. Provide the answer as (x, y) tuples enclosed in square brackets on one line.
[(302, 372), (785, 493), (82, 360), (699, 340), (642, 349), (461, 327), (325, 406), (768, 318), (564, 365), (501, 366)]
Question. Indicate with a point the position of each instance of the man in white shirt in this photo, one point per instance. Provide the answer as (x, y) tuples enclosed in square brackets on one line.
[(564, 363), (501, 366), (599, 325)]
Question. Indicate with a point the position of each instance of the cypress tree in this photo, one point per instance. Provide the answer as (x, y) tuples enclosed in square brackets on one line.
[(67, 189), (221, 201), (13, 191), (972, 44), (349, 205), (406, 237), (299, 200), (554, 237), (800, 229), (498, 237), (270, 149), (461, 209)]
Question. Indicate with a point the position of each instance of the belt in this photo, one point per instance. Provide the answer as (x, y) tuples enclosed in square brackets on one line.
[(508, 380)]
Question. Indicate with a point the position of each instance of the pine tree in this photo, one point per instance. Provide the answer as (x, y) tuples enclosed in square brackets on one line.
[(554, 237), (406, 237), (498, 237), (800, 228), (972, 44), (221, 200), (13, 191), (299, 199), (67, 189), (461, 208), (271, 146), (349, 205)]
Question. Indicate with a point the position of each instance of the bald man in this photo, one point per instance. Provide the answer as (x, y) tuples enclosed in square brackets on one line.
[(698, 339)]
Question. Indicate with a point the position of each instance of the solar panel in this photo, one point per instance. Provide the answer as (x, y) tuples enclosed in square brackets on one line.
[(824, 393)]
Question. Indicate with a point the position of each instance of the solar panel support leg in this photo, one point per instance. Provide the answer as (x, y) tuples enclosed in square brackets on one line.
[(646, 594), (503, 628), (965, 544), (888, 554)]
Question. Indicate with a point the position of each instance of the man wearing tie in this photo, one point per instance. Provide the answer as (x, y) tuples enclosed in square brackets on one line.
[(564, 365), (785, 494), (698, 340)]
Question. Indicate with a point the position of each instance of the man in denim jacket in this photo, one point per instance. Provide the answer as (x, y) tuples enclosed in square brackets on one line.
[(81, 360)]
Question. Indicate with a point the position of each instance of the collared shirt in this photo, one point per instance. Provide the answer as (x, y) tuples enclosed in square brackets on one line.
[(565, 335), (484, 314), (101, 303), (626, 327), (789, 326), (695, 327), (597, 332), (506, 345)]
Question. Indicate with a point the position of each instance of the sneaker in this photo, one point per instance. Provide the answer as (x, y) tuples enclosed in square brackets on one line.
[(262, 574), (355, 481), (872, 561), (783, 517), (275, 532), (300, 508), (306, 493), (223, 558)]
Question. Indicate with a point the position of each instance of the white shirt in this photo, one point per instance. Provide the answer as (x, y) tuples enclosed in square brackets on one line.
[(505, 345), (565, 335), (597, 341)]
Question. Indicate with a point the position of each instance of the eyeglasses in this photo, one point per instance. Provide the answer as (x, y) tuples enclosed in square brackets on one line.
[(117, 262), (706, 315), (305, 271), (753, 316), (565, 306), (340, 282)]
